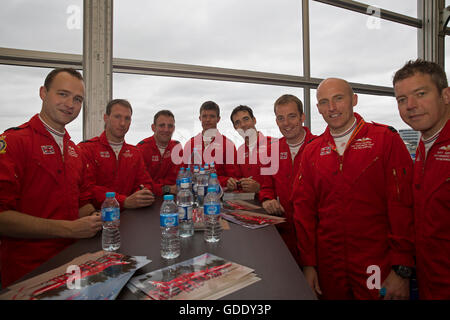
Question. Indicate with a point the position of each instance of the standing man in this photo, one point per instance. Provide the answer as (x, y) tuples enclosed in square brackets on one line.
[(157, 151), (353, 204), (276, 189), (116, 165), (212, 145), (423, 98), (44, 192), (252, 154)]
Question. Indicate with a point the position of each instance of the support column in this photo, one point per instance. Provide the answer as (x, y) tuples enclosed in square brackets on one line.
[(97, 63), (431, 35), (306, 62)]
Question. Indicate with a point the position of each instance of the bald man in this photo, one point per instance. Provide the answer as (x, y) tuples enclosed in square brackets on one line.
[(353, 204)]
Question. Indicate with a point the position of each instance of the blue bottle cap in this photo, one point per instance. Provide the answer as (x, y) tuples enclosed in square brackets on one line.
[(188, 169), (182, 169), (213, 175), (185, 180), (110, 194), (168, 197)]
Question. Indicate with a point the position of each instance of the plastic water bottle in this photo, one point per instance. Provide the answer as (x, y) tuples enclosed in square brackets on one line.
[(202, 187), (170, 238), (211, 211), (180, 176), (188, 174), (212, 168), (111, 223), (194, 178), (207, 169), (185, 200), (214, 182)]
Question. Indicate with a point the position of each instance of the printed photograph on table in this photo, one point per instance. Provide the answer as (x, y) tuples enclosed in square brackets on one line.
[(206, 277)]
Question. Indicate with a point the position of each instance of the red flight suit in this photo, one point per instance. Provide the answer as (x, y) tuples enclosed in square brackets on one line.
[(355, 211), (35, 180), (280, 185), (124, 175), (221, 151), (432, 217), (161, 168)]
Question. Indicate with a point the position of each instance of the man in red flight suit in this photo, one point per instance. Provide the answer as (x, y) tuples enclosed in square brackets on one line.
[(423, 97), (277, 187), (44, 192), (118, 166), (353, 204), (252, 155), (157, 153), (211, 145)]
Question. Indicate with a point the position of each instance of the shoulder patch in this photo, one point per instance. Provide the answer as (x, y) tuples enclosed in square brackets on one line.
[(386, 126), (2, 144)]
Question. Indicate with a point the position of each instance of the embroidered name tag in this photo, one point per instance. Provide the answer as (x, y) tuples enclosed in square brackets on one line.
[(105, 154), (155, 158), (443, 153), (363, 143), (283, 155), (324, 151)]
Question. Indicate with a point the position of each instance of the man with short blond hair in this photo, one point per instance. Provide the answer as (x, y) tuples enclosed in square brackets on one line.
[(423, 98)]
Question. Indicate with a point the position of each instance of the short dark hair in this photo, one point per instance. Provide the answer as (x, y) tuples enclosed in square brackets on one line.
[(166, 113), (210, 105), (241, 108), (412, 67), (286, 98), (122, 102), (51, 76)]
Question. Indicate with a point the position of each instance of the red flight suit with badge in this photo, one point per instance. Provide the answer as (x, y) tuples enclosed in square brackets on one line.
[(280, 185), (123, 175), (160, 167), (354, 211), (251, 162), (221, 151), (36, 180), (432, 217)]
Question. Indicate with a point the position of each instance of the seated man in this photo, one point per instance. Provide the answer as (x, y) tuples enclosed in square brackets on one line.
[(211, 145), (117, 166), (157, 151), (44, 198), (252, 154)]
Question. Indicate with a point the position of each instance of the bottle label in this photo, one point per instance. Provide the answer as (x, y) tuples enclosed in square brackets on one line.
[(185, 212), (168, 220), (110, 214), (211, 209), (201, 190)]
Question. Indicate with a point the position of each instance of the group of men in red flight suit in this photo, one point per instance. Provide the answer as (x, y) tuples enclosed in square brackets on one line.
[(347, 195)]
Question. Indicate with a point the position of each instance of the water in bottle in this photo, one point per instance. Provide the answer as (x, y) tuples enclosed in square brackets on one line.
[(211, 211), (202, 187), (185, 201), (194, 179), (111, 222), (179, 177), (214, 182), (188, 174), (170, 237)]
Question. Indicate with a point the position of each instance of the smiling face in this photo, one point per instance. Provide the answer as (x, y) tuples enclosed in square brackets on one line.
[(163, 129), (335, 102), (117, 122), (421, 105), (290, 121), (62, 101)]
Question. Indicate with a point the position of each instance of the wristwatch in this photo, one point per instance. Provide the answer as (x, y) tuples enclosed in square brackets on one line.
[(403, 271), (166, 190)]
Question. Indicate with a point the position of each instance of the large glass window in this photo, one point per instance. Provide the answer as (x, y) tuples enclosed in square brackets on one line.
[(257, 35), (43, 25), (350, 45), (184, 97), (19, 90)]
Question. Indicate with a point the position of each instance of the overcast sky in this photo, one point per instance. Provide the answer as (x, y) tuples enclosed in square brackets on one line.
[(257, 35)]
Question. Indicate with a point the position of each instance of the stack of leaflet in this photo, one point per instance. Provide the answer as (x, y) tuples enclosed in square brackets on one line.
[(206, 277)]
